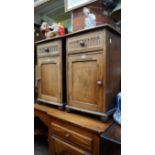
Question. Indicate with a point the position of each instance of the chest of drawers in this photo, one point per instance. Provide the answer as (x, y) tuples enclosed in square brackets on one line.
[(71, 134)]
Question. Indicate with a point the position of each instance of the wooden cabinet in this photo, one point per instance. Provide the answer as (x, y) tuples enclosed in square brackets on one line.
[(51, 73), (71, 134), (93, 70)]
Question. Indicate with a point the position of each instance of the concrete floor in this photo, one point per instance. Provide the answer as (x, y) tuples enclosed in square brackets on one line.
[(40, 146)]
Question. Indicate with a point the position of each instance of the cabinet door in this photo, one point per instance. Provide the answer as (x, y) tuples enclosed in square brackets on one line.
[(59, 147), (50, 83), (85, 81)]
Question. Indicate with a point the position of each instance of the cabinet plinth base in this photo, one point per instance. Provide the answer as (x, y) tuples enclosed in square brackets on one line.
[(104, 116), (61, 106)]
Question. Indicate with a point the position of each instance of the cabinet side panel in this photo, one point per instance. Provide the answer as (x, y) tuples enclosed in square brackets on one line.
[(113, 68)]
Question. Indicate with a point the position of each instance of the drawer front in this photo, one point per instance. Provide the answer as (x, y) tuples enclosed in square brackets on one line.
[(49, 49), (86, 42), (59, 147), (72, 136)]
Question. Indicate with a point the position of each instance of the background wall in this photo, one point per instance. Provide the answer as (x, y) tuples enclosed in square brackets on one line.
[(97, 8)]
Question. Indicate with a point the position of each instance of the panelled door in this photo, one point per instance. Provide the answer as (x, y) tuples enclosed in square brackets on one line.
[(85, 81), (49, 84)]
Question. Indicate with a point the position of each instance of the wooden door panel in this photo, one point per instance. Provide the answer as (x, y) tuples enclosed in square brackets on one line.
[(49, 79), (84, 72), (50, 83), (86, 69), (60, 147)]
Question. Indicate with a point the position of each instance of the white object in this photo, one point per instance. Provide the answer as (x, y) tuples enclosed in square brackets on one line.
[(90, 20)]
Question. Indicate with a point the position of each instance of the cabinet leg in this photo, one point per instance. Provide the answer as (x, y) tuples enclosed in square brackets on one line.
[(68, 109), (104, 118), (61, 108)]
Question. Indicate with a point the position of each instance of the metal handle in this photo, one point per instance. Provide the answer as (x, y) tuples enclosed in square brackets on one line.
[(82, 43), (47, 50), (67, 135), (100, 82)]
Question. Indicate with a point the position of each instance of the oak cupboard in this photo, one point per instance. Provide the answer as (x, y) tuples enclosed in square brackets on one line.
[(93, 70), (51, 77)]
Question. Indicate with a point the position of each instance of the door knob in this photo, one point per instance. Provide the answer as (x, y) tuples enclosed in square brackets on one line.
[(47, 50), (100, 82), (82, 43), (67, 135)]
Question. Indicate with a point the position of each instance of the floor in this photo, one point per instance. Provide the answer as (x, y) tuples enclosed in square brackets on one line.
[(40, 146)]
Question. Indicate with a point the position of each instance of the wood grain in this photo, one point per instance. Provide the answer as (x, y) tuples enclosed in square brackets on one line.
[(51, 72), (74, 137), (83, 90), (60, 147), (93, 70), (84, 122)]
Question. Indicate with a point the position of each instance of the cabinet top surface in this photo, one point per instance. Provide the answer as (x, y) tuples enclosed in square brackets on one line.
[(107, 26), (75, 119)]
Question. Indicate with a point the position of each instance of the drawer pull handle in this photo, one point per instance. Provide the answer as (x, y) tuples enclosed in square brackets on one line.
[(67, 135), (47, 50), (99, 82), (82, 43)]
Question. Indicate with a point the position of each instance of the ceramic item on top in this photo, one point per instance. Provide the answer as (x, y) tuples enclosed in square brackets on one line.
[(90, 18), (117, 114)]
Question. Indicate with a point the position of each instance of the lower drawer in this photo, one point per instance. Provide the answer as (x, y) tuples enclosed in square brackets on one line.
[(59, 147), (77, 138)]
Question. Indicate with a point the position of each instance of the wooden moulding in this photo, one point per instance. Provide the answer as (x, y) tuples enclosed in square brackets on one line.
[(104, 116), (60, 105)]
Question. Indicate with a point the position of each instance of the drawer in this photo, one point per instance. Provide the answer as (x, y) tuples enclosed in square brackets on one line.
[(72, 136), (49, 49), (59, 147), (86, 42)]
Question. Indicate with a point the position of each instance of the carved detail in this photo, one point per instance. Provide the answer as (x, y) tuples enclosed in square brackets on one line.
[(52, 49), (88, 42)]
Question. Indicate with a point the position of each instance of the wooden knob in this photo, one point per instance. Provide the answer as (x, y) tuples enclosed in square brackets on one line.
[(47, 50), (99, 82), (67, 135), (82, 43)]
